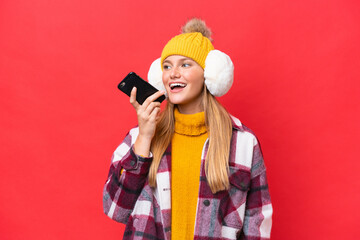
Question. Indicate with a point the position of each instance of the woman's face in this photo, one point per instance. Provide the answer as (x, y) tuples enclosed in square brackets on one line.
[(183, 79)]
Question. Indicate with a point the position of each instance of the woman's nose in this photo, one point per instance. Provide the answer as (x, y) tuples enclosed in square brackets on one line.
[(175, 73)]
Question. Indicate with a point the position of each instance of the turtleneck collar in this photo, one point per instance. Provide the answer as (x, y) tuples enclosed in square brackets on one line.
[(189, 124)]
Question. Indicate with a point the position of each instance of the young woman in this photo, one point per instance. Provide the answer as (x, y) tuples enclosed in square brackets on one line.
[(192, 171)]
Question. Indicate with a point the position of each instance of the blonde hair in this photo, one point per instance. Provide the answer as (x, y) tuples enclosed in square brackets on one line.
[(219, 126)]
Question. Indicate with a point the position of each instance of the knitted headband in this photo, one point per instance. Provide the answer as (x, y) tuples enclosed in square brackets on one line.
[(194, 43)]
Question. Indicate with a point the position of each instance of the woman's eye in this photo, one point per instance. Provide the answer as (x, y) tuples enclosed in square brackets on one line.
[(166, 67), (186, 65)]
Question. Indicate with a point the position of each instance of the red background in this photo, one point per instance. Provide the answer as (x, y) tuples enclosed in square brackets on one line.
[(296, 86)]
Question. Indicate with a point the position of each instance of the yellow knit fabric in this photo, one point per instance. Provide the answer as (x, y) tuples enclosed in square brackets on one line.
[(187, 144), (193, 45)]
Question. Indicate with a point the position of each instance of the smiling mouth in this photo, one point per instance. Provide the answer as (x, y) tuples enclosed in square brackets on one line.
[(177, 85)]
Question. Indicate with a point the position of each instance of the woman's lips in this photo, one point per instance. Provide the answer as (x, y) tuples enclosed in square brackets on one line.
[(177, 87)]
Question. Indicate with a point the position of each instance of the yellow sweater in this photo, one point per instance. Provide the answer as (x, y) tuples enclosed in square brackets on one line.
[(187, 144)]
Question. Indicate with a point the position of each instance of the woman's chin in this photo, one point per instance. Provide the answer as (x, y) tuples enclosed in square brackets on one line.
[(175, 99)]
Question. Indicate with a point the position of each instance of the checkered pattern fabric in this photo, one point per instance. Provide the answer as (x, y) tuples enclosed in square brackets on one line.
[(242, 212)]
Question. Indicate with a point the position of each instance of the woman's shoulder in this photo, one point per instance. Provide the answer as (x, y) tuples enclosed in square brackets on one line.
[(242, 131), (134, 131), (245, 147), (130, 137), (124, 147)]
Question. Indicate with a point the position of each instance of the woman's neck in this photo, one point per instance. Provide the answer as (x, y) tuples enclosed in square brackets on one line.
[(190, 108)]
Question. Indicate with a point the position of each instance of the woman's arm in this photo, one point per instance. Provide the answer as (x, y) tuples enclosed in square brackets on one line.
[(126, 179), (258, 212), (131, 161), (147, 115)]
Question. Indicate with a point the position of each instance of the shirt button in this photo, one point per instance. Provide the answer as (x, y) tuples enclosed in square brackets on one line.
[(206, 202), (132, 163)]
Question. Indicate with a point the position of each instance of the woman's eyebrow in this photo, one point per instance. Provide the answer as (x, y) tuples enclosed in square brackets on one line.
[(184, 59), (178, 60)]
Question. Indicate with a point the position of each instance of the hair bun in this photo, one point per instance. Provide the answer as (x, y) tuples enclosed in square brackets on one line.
[(197, 25)]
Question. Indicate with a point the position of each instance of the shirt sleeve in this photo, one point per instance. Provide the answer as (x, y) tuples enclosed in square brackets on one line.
[(258, 212), (126, 179)]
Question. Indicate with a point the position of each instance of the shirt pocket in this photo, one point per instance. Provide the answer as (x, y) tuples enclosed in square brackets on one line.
[(232, 205), (240, 178)]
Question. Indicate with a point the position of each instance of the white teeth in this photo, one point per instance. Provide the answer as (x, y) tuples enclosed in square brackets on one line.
[(173, 85)]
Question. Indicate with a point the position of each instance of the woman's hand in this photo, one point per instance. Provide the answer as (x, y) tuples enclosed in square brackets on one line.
[(147, 115)]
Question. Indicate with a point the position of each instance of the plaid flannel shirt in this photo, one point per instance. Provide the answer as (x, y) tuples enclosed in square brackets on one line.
[(242, 212)]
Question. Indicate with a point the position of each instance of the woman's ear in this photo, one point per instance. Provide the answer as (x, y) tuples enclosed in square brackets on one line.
[(218, 73), (155, 75)]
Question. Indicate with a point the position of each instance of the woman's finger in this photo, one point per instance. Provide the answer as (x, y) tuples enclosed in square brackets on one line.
[(154, 114), (151, 107), (152, 98), (133, 98)]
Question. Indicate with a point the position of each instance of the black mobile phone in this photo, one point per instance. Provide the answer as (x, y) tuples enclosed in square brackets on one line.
[(144, 89)]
